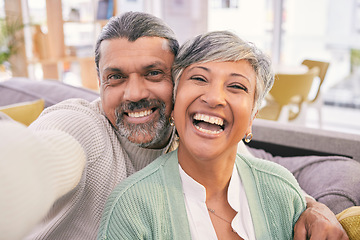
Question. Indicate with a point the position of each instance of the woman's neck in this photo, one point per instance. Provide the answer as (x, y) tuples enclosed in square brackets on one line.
[(214, 174)]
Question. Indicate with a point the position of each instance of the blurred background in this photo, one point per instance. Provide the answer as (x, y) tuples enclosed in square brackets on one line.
[(54, 39)]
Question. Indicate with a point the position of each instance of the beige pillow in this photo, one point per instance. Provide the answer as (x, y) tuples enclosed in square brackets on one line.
[(350, 220), (25, 112)]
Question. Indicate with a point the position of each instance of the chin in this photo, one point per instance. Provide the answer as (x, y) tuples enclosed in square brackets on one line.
[(140, 140), (204, 153)]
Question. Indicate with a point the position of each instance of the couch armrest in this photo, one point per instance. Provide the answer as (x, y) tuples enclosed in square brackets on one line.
[(296, 138)]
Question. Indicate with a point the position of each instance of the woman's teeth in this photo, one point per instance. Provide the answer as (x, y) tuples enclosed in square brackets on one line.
[(208, 124), (208, 131), (209, 119)]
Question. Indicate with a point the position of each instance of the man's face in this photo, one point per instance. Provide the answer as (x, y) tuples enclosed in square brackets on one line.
[(136, 88)]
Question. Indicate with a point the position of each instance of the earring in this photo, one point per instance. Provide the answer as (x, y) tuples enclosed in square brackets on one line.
[(172, 121), (248, 137)]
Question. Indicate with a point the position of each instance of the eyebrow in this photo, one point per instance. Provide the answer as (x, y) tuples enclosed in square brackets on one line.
[(209, 70), (112, 69), (154, 65), (149, 66)]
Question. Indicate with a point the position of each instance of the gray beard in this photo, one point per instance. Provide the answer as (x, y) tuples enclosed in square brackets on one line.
[(157, 128)]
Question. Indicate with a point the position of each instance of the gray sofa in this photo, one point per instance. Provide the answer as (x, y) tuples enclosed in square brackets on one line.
[(326, 164)]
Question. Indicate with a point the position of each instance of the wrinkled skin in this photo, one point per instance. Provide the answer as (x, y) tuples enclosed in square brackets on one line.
[(318, 222)]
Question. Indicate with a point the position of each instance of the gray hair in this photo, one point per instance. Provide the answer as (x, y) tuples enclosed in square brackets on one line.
[(222, 46), (133, 25)]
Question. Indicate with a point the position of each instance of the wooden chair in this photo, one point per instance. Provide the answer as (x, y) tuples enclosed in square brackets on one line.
[(317, 101), (288, 96)]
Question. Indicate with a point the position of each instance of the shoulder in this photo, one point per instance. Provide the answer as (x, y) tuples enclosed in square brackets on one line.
[(70, 113), (137, 198), (81, 119), (264, 170), (148, 176), (274, 187), (75, 105)]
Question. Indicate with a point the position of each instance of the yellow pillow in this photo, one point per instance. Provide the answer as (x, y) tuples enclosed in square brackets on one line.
[(350, 220), (25, 112)]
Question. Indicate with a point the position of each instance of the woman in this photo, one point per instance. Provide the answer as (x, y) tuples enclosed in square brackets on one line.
[(204, 190)]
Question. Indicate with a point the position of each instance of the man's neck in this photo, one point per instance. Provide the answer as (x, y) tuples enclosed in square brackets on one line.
[(165, 140)]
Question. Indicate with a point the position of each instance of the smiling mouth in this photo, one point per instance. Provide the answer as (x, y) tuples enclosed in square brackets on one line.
[(208, 124), (140, 114)]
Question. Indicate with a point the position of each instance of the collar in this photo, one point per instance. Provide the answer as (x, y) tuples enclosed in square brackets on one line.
[(196, 191)]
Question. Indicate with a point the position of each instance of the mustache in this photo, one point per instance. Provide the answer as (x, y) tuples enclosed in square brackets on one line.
[(155, 129), (143, 103)]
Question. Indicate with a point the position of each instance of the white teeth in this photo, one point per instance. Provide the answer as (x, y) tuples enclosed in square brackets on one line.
[(140, 114), (208, 131), (209, 119)]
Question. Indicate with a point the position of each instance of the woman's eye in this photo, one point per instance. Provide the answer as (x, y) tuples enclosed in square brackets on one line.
[(239, 86), (201, 79)]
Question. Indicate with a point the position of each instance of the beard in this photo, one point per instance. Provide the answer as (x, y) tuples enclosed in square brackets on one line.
[(154, 131)]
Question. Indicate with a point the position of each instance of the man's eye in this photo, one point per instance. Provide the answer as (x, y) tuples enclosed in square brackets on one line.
[(154, 73), (115, 77)]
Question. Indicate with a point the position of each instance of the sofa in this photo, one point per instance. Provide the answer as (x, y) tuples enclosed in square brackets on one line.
[(326, 164)]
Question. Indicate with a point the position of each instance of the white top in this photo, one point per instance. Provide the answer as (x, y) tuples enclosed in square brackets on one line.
[(198, 215)]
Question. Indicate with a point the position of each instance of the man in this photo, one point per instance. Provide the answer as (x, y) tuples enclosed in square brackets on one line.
[(63, 167)]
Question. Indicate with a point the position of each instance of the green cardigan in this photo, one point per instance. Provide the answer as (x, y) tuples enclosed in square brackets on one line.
[(150, 203)]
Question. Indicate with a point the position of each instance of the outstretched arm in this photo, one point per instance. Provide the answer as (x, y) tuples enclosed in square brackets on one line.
[(318, 222), (35, 170)]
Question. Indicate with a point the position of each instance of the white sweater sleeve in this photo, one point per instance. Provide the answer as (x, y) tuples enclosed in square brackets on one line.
[(35, 170)]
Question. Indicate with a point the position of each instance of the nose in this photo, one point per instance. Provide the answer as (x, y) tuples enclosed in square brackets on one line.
[(214, 95), (135, 89)]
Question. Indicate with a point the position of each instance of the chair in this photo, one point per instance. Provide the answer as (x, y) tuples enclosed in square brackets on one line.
[(288, 96), (317, 101)]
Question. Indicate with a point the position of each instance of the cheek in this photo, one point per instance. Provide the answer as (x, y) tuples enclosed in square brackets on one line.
[(179, 117), (164, 92), (109, 103), (179, 101), (242, 113), (184, 98)]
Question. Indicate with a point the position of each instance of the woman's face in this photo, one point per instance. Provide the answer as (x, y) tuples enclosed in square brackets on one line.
[(213, 107)]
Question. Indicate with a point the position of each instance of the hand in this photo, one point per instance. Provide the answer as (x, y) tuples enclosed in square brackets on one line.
[(318, 222)]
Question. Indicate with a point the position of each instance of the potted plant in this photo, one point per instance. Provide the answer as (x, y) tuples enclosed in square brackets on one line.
[(9, 39)]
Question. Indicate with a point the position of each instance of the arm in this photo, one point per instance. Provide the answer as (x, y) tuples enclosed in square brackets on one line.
[(35, 170), (318, 222)]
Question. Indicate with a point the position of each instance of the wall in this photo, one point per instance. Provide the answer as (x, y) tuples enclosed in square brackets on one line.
[(186, 18)]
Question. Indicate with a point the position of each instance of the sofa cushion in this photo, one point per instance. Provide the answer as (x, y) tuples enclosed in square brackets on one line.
[(18, 90), (350, 220), (332, 180), (25, 112)]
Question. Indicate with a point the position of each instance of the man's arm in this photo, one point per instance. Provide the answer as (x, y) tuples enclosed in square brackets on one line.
[(318, 222), (35, 170)]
